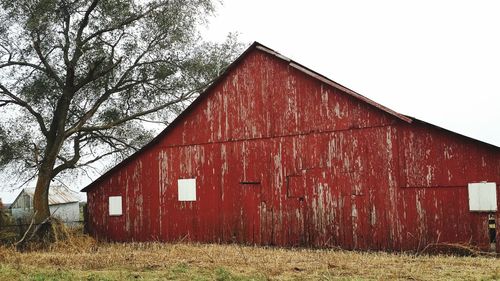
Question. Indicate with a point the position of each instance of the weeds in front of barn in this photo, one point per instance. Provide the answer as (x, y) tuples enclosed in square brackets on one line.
[(80, 257)]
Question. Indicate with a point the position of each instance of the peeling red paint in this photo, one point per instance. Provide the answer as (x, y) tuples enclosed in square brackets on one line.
[(282, 158)]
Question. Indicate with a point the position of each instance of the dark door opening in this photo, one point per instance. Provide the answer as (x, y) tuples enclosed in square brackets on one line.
[(492, 228)]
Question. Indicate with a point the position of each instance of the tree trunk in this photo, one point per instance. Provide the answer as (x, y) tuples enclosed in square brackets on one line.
[(55, 139), (41, 230), (41, 197)]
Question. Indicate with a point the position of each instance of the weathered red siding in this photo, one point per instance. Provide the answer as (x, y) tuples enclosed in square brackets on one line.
[(281, 158)]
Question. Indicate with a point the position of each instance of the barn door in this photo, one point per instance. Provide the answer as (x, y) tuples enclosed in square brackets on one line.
[(254, 167), (295, 193), (249, 218), (243, 177)]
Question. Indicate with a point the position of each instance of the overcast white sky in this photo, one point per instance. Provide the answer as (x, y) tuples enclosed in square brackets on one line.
[(438, 61)]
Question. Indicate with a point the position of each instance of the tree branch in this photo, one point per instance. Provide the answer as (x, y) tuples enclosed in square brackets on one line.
[(24, 104), (79, 127), (76, 127), (101, 156), (72, 162), (122, 24), (111, 141), (118, 86), (66, 46), (84, 23), (21, 63), (131, 117), (92, 76), (48, 69)]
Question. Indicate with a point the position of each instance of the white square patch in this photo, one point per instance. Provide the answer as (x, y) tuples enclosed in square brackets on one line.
[(483, 197), (115, 206), (186, 189)]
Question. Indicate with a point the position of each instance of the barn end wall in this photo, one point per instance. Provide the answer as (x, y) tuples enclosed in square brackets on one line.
[(283, 159), (436, 167)]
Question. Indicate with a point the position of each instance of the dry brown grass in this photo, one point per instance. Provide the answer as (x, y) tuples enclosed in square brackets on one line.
[(81, 257)]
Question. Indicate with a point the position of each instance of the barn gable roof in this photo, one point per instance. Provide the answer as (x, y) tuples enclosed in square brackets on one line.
[(57, 195), (208, 90)]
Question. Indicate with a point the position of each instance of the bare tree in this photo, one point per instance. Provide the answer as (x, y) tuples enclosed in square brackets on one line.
[(81, 77)]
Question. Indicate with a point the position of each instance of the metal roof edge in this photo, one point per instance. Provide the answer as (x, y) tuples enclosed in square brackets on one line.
[(416, 120), (347, 90), (330, 82), (54, 191), (272, 52)]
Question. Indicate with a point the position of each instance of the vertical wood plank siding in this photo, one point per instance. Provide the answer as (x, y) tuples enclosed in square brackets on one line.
[(281, 158)]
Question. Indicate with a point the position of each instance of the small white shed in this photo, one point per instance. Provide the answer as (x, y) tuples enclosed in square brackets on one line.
[(63, 203)]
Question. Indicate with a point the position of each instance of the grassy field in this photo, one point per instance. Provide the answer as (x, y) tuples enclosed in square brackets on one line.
[(83, 258)]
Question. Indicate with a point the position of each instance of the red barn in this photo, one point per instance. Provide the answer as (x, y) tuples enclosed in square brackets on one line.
[(273, 153)]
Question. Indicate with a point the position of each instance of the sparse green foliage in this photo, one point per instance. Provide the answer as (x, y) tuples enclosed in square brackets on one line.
[(78, 79)]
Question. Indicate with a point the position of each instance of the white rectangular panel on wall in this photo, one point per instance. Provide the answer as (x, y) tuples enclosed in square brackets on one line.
[(483, 197), (186, 189), (115, 206)]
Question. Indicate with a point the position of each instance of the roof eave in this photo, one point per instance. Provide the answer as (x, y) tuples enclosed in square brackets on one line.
[(416, 120), (178, 118)]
